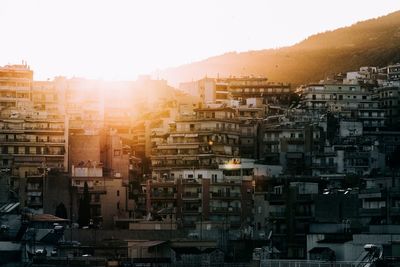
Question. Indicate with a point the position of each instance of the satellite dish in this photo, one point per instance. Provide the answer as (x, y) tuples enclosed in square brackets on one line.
[(269, 235)]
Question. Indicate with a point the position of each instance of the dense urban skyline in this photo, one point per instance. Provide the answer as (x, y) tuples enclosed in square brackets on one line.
[(279, 157), (122, 39)]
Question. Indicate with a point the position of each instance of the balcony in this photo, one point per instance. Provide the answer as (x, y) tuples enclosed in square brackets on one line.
[(303, 216), (375, 212), (271, 141), (395, 211), (35, 203), (225, 195), (305, 197), (191, 196), (371, 193), (225, 210), (34, 189), (227, 182), (44, 130), (357, 155), (395, 192), (25, 141), (160, 196), (325, 166), (191, 210), (277, 215), (190, 183), (276, 198), (295, 141)]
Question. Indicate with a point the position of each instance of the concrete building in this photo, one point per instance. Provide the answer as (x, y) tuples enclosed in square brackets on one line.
[(15, 86), (108, 195), (32, 144), (285, 208), (389, 102), (187, 197), (272, 93), (208, 138), (393, 72), (289, 144)]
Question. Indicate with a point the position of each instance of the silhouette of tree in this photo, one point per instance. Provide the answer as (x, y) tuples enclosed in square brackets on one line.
[(61, 211), (84, 207)]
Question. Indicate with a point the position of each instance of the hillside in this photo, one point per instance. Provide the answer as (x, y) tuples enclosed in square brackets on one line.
[(375, 42)]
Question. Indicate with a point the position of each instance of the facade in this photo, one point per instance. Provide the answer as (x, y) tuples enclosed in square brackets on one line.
[(34, 139), (203, 195), (285, 208), (389, 102), (108, 195), (208, 138), (16, 86)]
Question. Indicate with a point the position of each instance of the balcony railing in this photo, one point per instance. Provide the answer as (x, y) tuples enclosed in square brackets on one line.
[(277, 214), (324, 165), (372, 212), (225, 209), (191, 195), (225, 195), (156, 195)]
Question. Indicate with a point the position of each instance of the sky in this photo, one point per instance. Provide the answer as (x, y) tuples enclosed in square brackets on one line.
[(118, 40)]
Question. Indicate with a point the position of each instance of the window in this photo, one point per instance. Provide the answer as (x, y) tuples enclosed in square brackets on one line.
[(314, 97), (117, 193)]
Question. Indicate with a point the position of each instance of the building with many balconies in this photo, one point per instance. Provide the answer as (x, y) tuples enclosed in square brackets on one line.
[(208, 138), (188, 197), (31, 144), (15, 86)]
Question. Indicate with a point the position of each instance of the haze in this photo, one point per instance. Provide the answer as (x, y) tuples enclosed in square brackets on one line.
[(122, 39)]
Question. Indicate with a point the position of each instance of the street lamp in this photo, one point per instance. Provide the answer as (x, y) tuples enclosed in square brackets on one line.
[(45, 170)]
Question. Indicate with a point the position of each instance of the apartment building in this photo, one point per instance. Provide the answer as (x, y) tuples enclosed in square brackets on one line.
[(15, 86), (32, 143), (393, 72), (204, 140), (289, 144), (242, 88), (285, 208), (389, 102), (191, 196), (108, 195)]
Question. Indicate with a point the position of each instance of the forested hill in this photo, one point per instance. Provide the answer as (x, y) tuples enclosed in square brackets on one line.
[(375, 42)]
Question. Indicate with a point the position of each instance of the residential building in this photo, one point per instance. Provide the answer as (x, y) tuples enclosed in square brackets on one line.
[(108, 195), (187, 197), (208, 138), (15, 86), (285, 208), (389, 102)]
